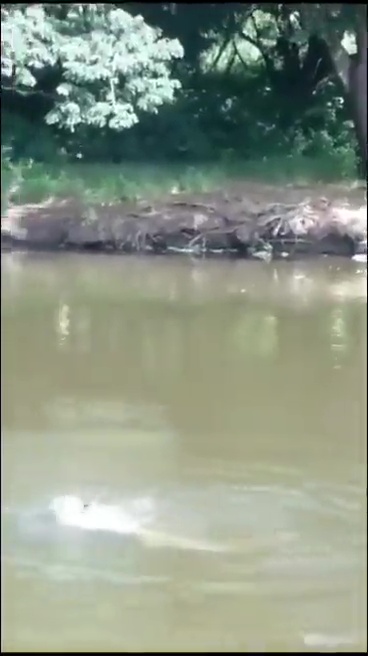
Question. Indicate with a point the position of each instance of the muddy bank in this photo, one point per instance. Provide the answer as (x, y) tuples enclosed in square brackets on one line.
[(254, 223)]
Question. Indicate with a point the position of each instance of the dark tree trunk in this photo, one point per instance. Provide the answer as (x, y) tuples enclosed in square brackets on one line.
[(357, 92), (351, 71)]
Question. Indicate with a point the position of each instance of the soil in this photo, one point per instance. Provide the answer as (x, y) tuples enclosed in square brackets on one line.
[(245, 220)]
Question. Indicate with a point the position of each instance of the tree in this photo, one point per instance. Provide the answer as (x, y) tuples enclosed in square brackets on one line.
[(106, 66), (336, 23), (301, 45)]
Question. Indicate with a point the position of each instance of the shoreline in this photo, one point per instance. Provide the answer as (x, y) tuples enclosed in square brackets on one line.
[(280, 224)]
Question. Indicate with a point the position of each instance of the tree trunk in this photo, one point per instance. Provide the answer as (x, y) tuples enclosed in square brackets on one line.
[(352, 73), (358, 97), (350, 70)]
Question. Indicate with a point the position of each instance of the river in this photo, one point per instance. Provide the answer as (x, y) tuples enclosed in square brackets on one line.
[(232, 395)]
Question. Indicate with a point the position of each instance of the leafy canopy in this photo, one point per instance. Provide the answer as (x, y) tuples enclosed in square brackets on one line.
[(112, 65)]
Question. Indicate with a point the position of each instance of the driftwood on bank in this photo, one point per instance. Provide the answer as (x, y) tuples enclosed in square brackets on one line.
[(209, 224)]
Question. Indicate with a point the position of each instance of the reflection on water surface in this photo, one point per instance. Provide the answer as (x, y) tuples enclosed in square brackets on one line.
[(230, 394)]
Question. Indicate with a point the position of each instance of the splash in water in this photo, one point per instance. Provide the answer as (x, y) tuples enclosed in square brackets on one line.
[(72, 511)]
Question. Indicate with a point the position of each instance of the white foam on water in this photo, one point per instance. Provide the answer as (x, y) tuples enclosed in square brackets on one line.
[(72, 511), (327, 640), (136, 519)]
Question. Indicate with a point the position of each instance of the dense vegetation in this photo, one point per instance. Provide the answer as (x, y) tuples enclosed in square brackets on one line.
[(236, 84)]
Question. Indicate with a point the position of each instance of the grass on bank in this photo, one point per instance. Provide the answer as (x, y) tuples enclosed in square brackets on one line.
[(29, 182)]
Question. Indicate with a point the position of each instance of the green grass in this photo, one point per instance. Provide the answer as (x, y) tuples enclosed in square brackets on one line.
[(28, 182)]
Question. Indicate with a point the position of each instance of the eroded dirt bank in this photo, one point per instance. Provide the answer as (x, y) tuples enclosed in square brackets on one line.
[(249, 220)]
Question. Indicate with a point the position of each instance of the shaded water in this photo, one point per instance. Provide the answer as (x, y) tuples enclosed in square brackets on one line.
[(230, 394)]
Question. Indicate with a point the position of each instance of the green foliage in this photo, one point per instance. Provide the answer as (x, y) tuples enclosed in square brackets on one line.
[(256, 86), (31, 182), (113, 66), (29, 43)]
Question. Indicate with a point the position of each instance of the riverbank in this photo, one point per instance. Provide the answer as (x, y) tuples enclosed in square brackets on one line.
[(244, 219)]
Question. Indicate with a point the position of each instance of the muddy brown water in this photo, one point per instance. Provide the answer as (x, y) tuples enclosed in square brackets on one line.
[(232, 394)]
